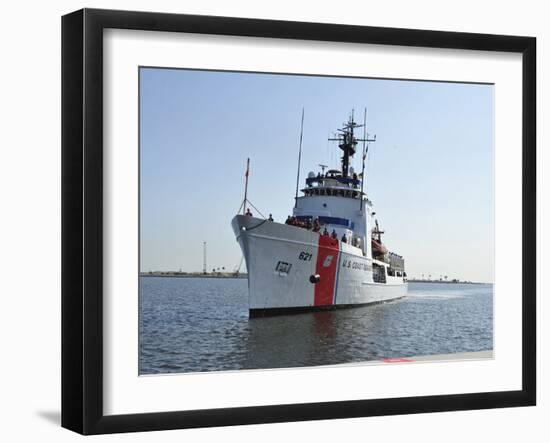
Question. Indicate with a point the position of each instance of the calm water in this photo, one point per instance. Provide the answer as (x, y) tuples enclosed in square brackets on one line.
[(195, 324)]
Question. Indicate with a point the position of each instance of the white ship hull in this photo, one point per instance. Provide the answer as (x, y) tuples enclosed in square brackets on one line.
[(294, 269)]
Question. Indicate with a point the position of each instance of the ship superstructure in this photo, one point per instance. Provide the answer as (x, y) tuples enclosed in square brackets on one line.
[(329, 253)]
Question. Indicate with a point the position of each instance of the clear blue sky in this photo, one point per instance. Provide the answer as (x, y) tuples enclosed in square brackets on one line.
[(429, 174)]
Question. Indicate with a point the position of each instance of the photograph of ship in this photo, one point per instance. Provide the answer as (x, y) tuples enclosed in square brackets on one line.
[(261, 245)]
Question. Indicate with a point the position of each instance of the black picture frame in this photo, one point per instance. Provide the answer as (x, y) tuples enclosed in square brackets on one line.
[(82, 218)]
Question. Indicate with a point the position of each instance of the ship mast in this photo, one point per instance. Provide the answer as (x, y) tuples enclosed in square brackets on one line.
[(348, 142), (365, 141), (299, 159)]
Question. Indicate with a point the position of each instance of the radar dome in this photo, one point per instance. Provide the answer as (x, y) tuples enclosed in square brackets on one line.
[(311, 174)]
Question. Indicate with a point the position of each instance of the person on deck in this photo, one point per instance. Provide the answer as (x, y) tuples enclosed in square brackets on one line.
[(248, 213), (325, 232), (344, 239), (270, 217), (334, 235), (288, 220), (316, 225)]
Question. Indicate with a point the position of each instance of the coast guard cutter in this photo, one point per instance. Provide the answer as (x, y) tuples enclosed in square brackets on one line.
[(330, 253)]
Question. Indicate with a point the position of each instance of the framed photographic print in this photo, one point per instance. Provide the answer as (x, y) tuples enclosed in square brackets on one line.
[(269, 221)]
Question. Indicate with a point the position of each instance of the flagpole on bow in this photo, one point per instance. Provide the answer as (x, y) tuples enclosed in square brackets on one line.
[(246, 184)]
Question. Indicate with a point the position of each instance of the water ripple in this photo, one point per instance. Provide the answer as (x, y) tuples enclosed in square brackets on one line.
[(194, 324)]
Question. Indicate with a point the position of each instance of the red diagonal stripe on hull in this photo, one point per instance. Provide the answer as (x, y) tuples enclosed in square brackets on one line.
[(324, 289)]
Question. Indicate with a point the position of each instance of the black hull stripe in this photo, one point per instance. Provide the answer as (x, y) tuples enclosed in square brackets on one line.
[(269, 312)]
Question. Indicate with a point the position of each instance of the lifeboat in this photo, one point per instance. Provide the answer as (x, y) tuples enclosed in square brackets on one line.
[(378, 248)]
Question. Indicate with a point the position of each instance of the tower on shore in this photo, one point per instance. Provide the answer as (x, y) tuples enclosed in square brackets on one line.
[(204, 257)]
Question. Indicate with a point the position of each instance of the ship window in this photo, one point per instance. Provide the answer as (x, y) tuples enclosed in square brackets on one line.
[(378, 273)]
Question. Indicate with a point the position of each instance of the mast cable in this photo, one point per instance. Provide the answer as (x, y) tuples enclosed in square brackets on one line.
[(256, 209)]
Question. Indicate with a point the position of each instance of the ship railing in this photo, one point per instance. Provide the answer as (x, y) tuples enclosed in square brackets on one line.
[(332, 191), (321, 180)]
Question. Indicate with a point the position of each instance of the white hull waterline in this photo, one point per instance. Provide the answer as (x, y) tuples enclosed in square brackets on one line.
[(329, 255)]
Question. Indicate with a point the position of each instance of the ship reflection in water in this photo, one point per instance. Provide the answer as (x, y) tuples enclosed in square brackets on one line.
[(197, 325)]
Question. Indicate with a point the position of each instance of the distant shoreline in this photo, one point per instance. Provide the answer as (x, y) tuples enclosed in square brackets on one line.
[(182, 275), (458, 282)]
